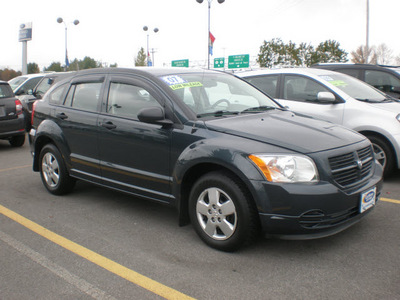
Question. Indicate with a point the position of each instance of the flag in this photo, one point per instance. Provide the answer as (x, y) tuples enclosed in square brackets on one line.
[(149, 62), (211, 43), (66, 59)]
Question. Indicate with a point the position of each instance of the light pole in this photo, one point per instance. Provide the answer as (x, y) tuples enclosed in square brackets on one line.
[(149, 62), (209, 32), (76, 22)]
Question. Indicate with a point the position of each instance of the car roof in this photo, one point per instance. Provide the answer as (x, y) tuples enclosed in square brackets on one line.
[(143, 70), (304, 71)]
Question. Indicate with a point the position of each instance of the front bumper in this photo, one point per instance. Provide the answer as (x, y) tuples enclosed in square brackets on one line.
[(299, 211)]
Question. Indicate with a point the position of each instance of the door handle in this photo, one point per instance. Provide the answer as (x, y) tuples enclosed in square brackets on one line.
[(62, 116), (109, 125)]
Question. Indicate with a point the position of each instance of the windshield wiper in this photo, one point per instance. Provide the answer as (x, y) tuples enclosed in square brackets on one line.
[(218, 113), (257, 109), (367, 100)]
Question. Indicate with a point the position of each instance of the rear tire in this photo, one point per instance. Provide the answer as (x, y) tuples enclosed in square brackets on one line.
[(53, 172), (17, 141), (222, 213)]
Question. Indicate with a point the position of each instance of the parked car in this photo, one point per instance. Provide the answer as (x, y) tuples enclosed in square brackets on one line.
[(21, 85), (11, 117), (384, 78), (229, 158), (37, 93), (340, 99)]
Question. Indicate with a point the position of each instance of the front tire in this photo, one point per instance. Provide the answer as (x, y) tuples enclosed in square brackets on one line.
[(222, 213), (383, 154), (53, 172)]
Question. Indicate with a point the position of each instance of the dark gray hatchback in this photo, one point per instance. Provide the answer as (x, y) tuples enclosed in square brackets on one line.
[(231, 160), (12, 125)]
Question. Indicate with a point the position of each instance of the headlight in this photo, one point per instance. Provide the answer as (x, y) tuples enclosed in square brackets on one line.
[(286, 168), (398, 117)]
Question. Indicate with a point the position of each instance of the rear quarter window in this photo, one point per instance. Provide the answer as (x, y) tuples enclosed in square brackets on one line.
[(57, 96)]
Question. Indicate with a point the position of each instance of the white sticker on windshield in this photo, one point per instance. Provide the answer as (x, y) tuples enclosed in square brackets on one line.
[(327, 78), (173, 79)]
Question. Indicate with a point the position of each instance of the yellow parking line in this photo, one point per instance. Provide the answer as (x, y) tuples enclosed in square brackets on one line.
[(130, 275), (390, 200), (15, 168)]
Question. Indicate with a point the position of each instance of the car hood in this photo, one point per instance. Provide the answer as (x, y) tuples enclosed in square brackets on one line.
[(288, 130), (393, 107)]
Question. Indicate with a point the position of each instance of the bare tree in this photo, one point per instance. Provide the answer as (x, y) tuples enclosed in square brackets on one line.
[(384, 54), (362, 55)]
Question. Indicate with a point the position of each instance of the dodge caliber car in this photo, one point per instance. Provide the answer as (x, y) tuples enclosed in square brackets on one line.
[(341, 99), (231, 160)]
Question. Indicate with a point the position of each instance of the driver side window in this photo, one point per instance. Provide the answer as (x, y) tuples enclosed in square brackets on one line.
[(126, 100), (300, 88)]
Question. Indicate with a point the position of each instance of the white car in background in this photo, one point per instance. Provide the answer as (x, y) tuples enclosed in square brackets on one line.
[(337, 98), (21, 85)]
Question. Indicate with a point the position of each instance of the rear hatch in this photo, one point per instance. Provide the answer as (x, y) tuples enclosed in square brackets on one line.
[(7, 103)]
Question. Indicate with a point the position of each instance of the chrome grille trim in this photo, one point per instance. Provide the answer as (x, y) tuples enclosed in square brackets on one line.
[(350, 169)]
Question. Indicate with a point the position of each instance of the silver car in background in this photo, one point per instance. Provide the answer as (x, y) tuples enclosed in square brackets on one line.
[(340, 99)]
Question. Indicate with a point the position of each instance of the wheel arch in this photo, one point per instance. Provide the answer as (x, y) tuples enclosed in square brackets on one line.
[(192, 174), (368, 133)]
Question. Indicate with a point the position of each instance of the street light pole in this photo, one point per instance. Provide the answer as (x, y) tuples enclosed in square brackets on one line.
[(209, 29), (76, 22), (149, 63)]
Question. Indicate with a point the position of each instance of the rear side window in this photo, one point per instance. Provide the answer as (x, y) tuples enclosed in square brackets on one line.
[(383, 81), (84, 96), (5, 91), (268, 84), (57, 95)]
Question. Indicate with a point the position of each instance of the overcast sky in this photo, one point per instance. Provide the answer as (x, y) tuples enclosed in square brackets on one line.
[(112, 31)]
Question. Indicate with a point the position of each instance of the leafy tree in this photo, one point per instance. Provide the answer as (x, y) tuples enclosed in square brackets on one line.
[(55, 67), (89, 63), (329, 52), (140, 59), (277, 53), (33, 68), (8, 74)]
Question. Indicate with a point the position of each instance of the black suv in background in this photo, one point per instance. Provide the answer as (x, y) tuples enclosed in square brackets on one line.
[(384, 78), (228, 157), (12, 121)]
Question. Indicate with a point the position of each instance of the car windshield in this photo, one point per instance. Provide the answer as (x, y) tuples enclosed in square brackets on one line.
[(217, 94), (355, 88), (16, 82)]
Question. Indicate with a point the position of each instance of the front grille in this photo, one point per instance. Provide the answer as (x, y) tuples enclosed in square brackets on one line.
[(317, 219), (352, 168)]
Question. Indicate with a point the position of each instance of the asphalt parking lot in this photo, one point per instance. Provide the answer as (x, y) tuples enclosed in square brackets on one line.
[(96, 243)]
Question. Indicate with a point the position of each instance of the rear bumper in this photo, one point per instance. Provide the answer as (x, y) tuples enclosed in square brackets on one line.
[(12, 127)]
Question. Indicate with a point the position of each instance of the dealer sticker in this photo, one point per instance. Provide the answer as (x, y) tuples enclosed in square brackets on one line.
[(368, 200)]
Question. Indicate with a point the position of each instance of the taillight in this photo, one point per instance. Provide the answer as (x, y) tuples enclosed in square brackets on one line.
[(33, 112), (18, 107)]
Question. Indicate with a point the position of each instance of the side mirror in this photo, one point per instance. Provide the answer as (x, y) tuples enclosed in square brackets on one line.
[(326, 97), (153, 115)]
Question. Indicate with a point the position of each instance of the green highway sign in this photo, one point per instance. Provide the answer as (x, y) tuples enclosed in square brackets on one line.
[(219, 62), (239, 61), (180, 63)]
